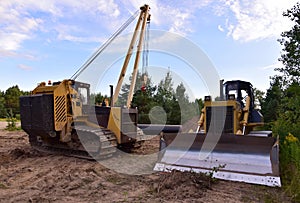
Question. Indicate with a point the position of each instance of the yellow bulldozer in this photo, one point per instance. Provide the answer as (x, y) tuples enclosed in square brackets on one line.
[(225, 143), (60, 117)]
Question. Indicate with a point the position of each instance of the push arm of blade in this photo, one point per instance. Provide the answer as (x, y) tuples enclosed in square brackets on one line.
[(201, 120), (246, 114)]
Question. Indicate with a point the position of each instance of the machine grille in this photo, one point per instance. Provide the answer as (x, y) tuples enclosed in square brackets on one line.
[(60, 109), (220, 113)]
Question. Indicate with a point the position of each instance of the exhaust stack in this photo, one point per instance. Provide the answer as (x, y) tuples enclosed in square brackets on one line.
[(221, 90), (111, 95)]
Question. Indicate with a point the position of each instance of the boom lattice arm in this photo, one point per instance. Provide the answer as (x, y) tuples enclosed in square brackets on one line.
[(143, 19)]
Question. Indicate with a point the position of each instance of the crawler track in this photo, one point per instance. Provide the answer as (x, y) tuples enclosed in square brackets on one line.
[(99, 143)]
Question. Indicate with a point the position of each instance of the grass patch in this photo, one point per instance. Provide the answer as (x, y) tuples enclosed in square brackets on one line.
[(116, 180), (11, 128), (3, 186)]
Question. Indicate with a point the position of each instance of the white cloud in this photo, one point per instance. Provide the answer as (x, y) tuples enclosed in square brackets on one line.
[(108, 7), (73, 38), (13, 54), (16, 26), (174, 16), (245, 20), (257, 19), (25, 67), (11, 41), (220, 28), (180, 16), (95, 20), (20, 20), (278, 64)]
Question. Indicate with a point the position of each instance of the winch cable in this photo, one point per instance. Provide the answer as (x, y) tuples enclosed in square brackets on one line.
[(146, 49), (106, 44), (145, 58)]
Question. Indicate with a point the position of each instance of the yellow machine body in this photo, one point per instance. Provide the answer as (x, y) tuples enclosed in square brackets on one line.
[(225, 140), (61, 116)]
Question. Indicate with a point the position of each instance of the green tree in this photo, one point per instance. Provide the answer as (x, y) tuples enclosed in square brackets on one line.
[(143, 97), (181, 94), (287, 108), (290, 41), (271, 103), (174, 116), (144, 101), (287, 127), (288, 120), (165, 90), (181, 107), (97, 98), (23, 93), (123, 96), (187, 109), (11, 96), (165, 97), (199, 103), (259, 97), (2, 105), (174, 103)]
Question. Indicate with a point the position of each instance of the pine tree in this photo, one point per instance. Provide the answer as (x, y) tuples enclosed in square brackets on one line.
[(271, 103)]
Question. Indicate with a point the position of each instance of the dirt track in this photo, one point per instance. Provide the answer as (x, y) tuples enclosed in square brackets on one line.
[(29, 176)]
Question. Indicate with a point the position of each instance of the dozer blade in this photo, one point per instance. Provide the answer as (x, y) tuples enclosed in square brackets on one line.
[(251, 159)]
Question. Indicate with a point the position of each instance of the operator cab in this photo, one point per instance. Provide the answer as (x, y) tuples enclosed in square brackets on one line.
[(239, 90), (83, 90)]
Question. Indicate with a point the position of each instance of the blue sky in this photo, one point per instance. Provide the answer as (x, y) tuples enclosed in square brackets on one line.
[(50, 39)]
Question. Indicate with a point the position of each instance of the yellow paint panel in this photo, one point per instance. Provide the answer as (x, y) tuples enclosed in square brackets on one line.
[(60, 105), (114, 122), (236, 110)]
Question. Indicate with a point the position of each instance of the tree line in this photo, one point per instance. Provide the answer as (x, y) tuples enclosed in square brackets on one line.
[(9, 101), (157, 104), (162, 103), (281, 105)]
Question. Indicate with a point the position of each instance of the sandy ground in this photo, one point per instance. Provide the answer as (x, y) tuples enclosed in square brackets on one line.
[(2, 125), (30, 176)]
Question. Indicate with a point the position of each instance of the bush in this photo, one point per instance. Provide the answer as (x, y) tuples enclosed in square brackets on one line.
[(18, 117), (11, 122), (290, 166)]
